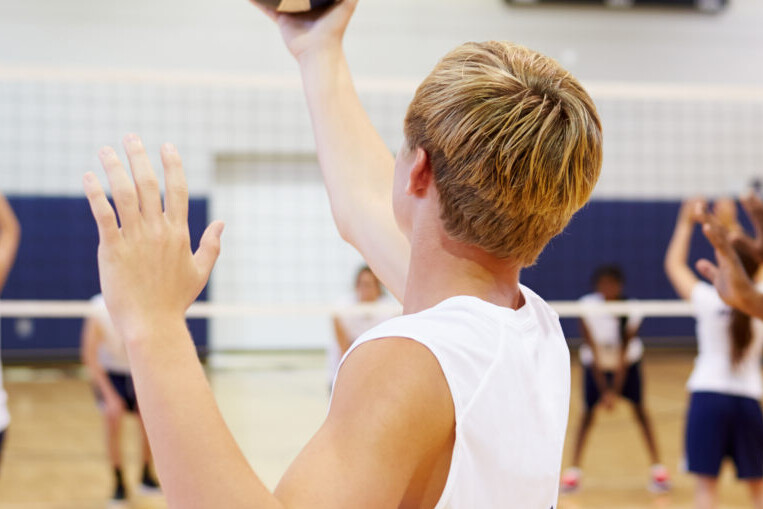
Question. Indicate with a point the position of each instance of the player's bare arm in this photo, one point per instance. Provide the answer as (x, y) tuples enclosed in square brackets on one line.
[(752, 245), (598, 375), (357, 166), (395, 439), (92, 337), (622, 367), (341, 336), (10, 237), (677, 268)]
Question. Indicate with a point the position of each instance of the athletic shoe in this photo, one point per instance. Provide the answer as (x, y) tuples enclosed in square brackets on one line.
[(571, 480), (149, 487), (118, 499), (660, 479)]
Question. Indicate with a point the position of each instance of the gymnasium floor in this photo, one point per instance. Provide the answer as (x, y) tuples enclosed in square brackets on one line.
[(55, 456)]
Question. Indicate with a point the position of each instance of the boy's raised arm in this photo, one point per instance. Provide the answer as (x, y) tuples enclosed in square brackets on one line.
[(357, 166), (391, 405)]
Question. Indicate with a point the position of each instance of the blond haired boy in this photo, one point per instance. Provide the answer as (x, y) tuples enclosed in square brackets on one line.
[(460, 403)]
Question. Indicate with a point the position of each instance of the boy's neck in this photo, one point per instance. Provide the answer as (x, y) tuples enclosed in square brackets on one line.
[(441, 268)]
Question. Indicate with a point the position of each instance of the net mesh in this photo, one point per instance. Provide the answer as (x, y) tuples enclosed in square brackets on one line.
[(249, 154)]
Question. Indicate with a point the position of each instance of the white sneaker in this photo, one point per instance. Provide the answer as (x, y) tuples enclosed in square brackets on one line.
[(571, 480), (660, 479)]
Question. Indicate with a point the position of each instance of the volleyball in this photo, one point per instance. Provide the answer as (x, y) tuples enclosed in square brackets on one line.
[(297, 5)]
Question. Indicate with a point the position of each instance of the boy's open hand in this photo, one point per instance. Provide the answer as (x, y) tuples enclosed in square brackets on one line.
[(317, 30), (148, 272)]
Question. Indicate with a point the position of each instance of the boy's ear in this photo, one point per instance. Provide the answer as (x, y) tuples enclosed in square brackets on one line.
[(421, 175)]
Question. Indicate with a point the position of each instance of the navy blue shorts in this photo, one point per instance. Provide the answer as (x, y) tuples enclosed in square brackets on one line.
[(125, 388), (720, 426), (631, 385)]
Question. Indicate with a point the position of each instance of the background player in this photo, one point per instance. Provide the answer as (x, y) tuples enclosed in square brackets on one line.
[(350, 325), (10, 236), (105, 356), (611, 359), (725, 417)]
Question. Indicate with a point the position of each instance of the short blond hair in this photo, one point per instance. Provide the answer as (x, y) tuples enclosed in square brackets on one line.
[(514, 142)]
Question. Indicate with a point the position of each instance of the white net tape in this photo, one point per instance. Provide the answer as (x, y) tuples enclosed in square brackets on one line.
[(566, 309)]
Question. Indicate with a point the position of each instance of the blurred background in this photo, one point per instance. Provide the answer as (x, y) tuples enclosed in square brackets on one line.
[(679, 86)]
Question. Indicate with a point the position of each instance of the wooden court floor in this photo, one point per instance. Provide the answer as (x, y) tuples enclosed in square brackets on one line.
[(55, 457)]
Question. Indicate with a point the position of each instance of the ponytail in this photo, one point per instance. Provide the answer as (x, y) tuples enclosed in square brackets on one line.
[(741, 335), (741, 323)]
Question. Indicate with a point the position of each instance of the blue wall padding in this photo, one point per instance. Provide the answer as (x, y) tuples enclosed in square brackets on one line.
[(632, 234), (57, 260)]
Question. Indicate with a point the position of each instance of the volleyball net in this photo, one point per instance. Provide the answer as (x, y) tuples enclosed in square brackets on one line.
[(40, 331), (249, 154)]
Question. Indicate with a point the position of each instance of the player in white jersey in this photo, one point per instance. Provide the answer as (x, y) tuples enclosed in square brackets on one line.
[(462, 402), (611, 358), (10, 236), (724, 418), (350, 324), (105, 356)]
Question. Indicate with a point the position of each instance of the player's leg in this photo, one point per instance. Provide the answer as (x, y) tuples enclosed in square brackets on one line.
[(747, 446), (573, 475), (633, 392), (113, 417), (756, 493), (148, 483), (2, 444), (706, 492), (707, 442), (113, 442)]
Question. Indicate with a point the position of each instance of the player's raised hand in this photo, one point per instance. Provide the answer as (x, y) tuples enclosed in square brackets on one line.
[(689, 210), (148, 272), (728, 276), (314, 31), (753, 246)]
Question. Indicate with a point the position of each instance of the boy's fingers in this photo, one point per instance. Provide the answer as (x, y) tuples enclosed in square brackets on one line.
[(122, 189), (176, 194), (105, 218), (146, 183)]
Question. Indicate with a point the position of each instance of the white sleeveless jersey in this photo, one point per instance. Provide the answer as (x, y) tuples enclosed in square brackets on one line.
[(605, 333), (714, 370), (509, 375)]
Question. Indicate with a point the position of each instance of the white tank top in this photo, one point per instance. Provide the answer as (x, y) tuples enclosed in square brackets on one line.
[(509, 375), (714, 370), (112, 352), (605, 333)]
